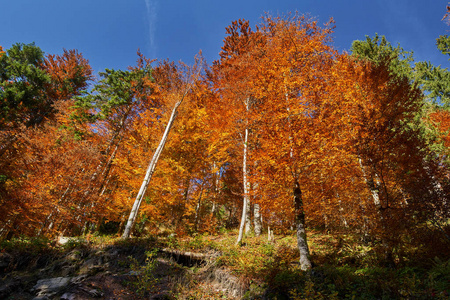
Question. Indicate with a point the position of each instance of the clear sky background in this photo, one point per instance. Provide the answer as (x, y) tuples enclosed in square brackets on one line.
[(109, 32)]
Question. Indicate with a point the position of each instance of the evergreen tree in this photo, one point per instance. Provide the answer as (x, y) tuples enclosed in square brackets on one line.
[(21, 86)]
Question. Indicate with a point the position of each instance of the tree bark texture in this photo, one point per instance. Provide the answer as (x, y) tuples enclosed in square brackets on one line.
[(257, 219), (246, 190), (248, 218), (305, 261)]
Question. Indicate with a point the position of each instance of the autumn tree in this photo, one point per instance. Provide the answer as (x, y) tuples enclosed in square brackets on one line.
[(397, 141), (284, 74), (292, 81), (33, 112), (69, 74), (232, 76), (111, 107), (176, 84)]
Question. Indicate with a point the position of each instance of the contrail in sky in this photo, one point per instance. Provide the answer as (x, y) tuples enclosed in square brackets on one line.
[(151, 16)]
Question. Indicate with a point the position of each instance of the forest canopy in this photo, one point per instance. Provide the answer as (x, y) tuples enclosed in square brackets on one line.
[(281, 133)]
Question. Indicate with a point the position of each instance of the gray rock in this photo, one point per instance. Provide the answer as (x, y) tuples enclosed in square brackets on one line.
[(62, 240), (51, 286), (100, 253), (80, 292), (96, 293), (69, 296), (68, 271), (92, 266), (92, 292), (41, 298), (78, 279)]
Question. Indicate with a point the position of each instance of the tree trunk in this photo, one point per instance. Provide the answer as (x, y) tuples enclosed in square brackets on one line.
[(246, 190), (270, 237), (299, 221), (374, 186), (257, 219), (150, 170), (216, 189), (197, 207), (248, 218), (305, 261), (107, 168), (341, 212)]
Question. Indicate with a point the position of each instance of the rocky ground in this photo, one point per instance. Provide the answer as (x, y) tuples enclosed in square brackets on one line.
[(126, 271)]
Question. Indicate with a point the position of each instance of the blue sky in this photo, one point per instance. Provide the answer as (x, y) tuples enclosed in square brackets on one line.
[(109, 32)]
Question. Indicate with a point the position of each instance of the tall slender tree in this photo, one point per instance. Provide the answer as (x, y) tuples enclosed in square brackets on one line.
[(176, 87)]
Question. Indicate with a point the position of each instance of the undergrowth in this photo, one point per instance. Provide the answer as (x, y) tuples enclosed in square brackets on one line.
[(145, 280), (344, 267)]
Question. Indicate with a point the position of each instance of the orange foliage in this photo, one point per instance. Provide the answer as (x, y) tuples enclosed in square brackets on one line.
[(46, 168), (69, 74), (52, 176), (343, 129), (181, 182), (441, 120)]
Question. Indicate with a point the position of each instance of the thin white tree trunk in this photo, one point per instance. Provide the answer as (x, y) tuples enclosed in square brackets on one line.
[(374, 191), (257, 219), (197, 207), (216, 189), (248, 219), (213, 208), (246, 190), (341, 211), (152, 165), (374, 186), (270, 237), (5, 230), (150, 170)]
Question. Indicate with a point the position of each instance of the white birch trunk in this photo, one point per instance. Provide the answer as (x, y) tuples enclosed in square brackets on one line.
[(216, 188), (270, 237), (150, 170), (246, 190), (257, 219), (248, 219), (4, 230), (152, 165), (197, 207), (374, 192), (377, 202)]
